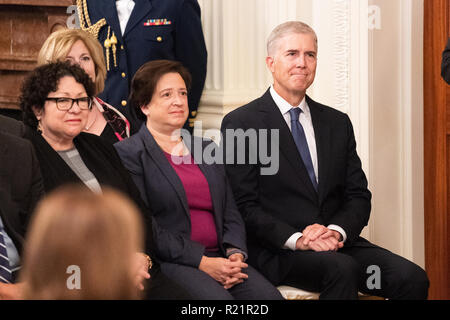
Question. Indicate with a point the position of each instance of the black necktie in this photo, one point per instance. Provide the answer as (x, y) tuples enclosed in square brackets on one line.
[(300, 140)]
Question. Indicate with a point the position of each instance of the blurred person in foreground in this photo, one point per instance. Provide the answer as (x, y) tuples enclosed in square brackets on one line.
[(83, 245)]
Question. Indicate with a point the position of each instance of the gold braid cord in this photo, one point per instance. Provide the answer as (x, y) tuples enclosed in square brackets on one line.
[(107, 45), (86, 25), (85, 22)]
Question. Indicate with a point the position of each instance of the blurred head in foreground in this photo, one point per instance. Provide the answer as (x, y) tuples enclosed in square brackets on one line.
[(82, 245)]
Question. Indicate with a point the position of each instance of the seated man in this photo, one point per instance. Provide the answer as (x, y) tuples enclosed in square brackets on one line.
[(20, 189), (304, 219)]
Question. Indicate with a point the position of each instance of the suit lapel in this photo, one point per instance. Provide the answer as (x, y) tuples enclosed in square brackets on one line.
[(140, 10), (323, 144), (160, 160), (274, 120)]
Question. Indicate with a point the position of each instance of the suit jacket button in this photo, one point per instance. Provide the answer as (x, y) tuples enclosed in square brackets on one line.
[(123, 75), (159, 39), (124, 103)]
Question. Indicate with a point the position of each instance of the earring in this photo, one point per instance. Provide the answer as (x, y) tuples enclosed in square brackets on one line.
[(39, 126)]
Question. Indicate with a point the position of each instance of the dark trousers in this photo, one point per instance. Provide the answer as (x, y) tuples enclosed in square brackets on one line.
[(340, 275), (202, 286), (160, 287)]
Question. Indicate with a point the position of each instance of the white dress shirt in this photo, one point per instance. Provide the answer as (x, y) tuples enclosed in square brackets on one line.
[(306, 122), (124, 9)]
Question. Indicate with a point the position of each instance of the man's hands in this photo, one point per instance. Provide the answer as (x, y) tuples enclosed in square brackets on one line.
[(227, 272), (317, 237)]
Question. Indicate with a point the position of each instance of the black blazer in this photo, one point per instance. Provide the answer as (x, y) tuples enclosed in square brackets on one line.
[(163, 192), (101, 159), (276, 206), (20, 186)]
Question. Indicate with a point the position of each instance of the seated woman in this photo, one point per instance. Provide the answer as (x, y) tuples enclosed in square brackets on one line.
[(55, 100), (70, 230), (189, 198), (79, 47)]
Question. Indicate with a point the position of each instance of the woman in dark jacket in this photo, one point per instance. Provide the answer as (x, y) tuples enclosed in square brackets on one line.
[(189, 196), (56, 100)]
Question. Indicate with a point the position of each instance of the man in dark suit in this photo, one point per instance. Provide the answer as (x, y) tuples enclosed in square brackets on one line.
[(20, 189), (135, 32), (304, 219), (445, 68)]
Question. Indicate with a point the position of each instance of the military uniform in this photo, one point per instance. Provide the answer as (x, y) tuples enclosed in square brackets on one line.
[(156, 29)]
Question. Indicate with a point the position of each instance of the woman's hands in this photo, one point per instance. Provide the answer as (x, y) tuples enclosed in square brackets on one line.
[(227, 272)]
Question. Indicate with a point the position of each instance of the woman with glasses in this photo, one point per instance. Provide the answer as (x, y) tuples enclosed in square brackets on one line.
[(56, 100), (79, 47)]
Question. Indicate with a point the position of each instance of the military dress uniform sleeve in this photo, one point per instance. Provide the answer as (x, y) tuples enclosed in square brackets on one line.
[(446, 63)]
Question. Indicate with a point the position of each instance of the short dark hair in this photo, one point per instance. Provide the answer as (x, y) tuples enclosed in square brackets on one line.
[(45, 79), (146, 78)]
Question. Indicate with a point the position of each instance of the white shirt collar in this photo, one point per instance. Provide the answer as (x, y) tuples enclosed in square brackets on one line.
[(124, 9), (284, 106)]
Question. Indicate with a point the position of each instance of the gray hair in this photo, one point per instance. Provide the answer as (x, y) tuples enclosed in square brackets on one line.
[(285, 29)]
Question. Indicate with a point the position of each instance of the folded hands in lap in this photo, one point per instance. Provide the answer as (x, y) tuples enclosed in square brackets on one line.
[(319, 238), (228, 272)]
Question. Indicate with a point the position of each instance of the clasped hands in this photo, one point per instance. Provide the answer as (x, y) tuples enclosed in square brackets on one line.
[(228, 272), (318, 238)]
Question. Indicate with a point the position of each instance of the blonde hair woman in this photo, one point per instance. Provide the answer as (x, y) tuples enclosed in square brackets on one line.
[(79, 47), (75, 230)]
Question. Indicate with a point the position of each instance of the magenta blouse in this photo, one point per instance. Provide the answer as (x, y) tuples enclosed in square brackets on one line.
[(196, 187)]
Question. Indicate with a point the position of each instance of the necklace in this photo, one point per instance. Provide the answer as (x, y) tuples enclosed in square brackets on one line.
[(89, 126)]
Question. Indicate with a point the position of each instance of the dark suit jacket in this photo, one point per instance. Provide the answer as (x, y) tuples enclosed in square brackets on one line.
[(20, 186), (12, 126), (276, 206), (163, 191), (182, 40), (445, 68)]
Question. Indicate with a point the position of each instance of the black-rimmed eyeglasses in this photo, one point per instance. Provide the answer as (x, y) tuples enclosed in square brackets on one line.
[(65, 104)]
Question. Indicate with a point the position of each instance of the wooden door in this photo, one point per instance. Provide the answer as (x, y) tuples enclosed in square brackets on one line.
[(437, 150)]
